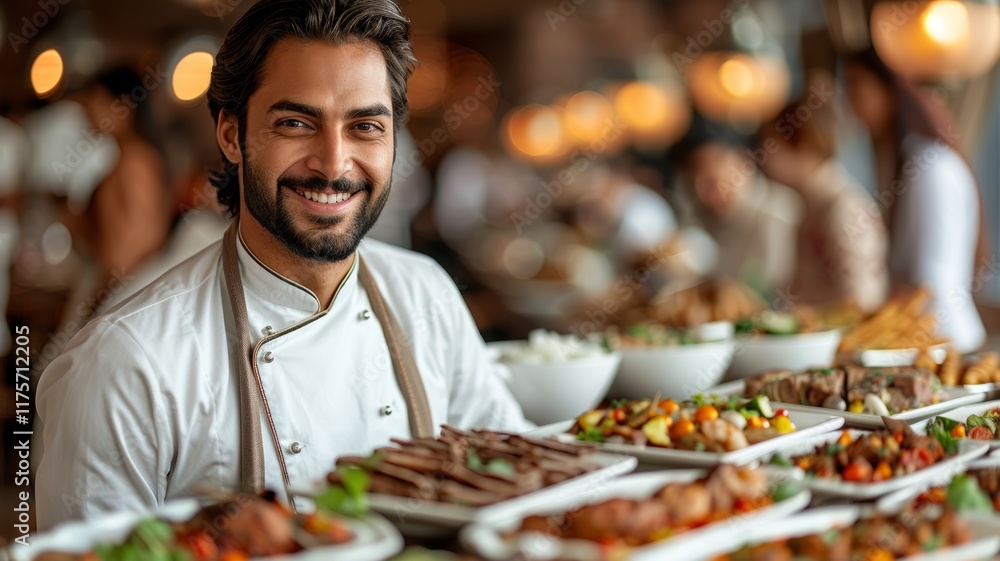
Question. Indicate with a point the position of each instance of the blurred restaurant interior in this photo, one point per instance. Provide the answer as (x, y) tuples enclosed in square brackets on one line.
[(574, 165)]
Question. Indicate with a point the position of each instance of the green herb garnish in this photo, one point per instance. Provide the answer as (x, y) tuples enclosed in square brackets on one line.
[(350, 498)]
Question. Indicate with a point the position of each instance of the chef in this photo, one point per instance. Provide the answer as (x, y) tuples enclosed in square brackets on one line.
[(259, 361)]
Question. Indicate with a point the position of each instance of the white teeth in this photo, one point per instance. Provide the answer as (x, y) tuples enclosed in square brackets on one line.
[(325, 198)]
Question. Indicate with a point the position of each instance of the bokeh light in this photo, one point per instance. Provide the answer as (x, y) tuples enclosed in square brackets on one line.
[(192, 75), (46, 72), (946, 22)]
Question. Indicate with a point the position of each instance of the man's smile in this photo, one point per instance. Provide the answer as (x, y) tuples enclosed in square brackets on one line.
[(327, 200)]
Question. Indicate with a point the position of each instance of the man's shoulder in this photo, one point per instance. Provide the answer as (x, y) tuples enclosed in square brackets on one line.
[(188, 282), (394, 261)]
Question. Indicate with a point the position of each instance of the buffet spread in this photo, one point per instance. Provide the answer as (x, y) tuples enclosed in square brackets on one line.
[(852, 437)]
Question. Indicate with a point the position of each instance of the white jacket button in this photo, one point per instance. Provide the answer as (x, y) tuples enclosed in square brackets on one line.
[(295, 447)]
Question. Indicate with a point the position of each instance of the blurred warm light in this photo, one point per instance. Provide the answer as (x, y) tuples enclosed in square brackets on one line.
[(937, 39), (535, 131), (587, 115), (46, 72), (738, 88), (192, 75), (946, 22), (652, 113), (738, 78)]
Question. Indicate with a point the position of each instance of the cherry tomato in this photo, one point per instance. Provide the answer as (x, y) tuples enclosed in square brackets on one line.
[(669, 406), (706, 413), (981, 433), (619, 415), (857, 471), (781, 413), (742, 505), (681, 428)]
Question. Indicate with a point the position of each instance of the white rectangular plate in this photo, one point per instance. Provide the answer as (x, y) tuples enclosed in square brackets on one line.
[(428, 518), (968, 450), (956, 397), (375, 539), (984, 544), (807, 424), (487, 538)]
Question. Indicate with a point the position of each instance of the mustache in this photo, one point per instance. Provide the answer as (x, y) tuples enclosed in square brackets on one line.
[(319, 184)]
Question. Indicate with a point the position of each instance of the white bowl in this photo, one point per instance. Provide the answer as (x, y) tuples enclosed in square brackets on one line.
[(553, 392), (900, 357), (677, 372), (757, 353)]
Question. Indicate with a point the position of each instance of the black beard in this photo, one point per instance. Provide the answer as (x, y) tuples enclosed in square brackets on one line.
[(323, 247)]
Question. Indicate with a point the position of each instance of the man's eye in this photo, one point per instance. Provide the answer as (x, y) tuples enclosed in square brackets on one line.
[(368, 127), (292, 123)]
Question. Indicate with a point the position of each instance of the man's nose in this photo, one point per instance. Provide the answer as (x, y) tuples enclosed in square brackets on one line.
[(330, 155)]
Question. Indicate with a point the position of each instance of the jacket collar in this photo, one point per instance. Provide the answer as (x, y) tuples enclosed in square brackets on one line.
[(267, 284)]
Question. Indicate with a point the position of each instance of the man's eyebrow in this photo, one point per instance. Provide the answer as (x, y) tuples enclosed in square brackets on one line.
[(377, 110), (286, 105)]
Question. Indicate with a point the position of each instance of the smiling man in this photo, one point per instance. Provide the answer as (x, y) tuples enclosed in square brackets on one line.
[(291, 342)]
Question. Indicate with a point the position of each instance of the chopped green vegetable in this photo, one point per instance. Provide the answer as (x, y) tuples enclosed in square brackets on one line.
[(776, 323), (615, 404), (780, 461), (785, 491), (940, 429), (979, 421), (593, 434), (349, 499), (964, 495), (834, 448), (744, 326), (733, 403), (762, 405)]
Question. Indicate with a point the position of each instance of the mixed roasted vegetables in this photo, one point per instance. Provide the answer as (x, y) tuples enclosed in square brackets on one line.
[(976, 427), (869, 458), (703, 423)]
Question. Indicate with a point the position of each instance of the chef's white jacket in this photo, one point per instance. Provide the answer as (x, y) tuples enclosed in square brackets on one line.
[(143, 403)]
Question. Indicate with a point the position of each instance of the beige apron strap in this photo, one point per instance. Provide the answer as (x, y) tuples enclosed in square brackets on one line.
[(251, 439), (403, 362)]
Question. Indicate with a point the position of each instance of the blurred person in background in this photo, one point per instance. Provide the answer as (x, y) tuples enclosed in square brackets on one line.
[(928, 195), (13, 156), (752, 218), (129, 216), (837, 257)]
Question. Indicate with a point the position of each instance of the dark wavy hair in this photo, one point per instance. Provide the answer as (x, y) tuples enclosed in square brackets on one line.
[(239, 64)]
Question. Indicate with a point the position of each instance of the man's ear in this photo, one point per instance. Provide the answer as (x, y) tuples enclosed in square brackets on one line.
[(227, 135)]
